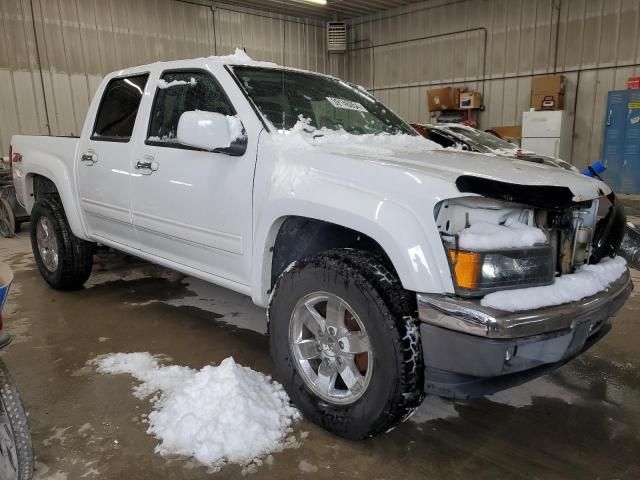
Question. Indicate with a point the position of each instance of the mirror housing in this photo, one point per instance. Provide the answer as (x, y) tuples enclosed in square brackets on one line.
[(206, 130)]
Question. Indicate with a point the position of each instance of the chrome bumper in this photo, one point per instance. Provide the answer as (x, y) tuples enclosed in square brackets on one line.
[(468, 316)]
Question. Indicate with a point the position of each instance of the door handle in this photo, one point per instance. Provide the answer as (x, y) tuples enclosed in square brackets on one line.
[(149, 164), (89, 158), (143, 165)]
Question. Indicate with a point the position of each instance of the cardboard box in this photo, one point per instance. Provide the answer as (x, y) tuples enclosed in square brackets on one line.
[(548, 85), (508, 131), (447, 98), (547, 101), (469, 100)]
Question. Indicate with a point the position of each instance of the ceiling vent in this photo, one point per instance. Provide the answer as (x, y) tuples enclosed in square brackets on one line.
[(337, 36)]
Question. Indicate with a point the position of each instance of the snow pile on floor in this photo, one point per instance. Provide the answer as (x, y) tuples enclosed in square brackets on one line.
[(586, 281), (488, 236), (303, 136), (219, 414)]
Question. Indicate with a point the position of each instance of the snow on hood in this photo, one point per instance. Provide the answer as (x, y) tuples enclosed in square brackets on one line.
[(422, 156), (305, 137)]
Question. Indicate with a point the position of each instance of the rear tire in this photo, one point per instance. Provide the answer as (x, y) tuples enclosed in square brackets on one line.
[(64, 260), (368, 291)]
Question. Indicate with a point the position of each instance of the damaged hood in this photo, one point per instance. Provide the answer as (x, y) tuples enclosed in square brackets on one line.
[(491, 171)]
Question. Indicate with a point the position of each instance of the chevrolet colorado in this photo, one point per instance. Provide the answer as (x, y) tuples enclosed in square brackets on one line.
[(390, 267)]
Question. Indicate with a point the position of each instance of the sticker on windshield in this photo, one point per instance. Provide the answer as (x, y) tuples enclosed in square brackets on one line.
[(346, 104)]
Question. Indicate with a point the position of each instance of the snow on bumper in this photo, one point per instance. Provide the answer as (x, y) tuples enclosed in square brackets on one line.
[(586, 281), (594, 292)]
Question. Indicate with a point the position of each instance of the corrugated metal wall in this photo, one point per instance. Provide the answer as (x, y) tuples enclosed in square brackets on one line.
[(494, 46), (595, 43), (77, 42)]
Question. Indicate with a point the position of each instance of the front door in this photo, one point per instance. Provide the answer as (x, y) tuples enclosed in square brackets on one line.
[(191, 206), (104, 163)]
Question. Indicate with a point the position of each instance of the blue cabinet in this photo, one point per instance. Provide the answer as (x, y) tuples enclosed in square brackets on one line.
[(621, 149)]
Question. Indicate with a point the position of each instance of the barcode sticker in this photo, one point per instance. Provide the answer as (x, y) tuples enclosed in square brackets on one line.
[(346, 104)]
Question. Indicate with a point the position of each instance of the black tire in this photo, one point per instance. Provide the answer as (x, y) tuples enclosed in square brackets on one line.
[(16, 422), (7, 220), (389, 314), (75, 256)]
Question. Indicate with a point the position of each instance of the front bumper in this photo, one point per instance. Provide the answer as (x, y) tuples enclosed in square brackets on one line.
[(470, 350)]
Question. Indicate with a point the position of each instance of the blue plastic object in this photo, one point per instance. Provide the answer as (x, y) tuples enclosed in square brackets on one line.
[(6, 277), (597, 167)]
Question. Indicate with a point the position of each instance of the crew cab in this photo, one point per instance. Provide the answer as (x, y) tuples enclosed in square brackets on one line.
[(389, 266)]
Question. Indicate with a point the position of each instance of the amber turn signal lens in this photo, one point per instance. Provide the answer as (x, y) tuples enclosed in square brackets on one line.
[(466, 266)]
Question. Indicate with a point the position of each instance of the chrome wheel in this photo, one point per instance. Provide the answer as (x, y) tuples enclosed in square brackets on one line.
[(331, 348), (8, 452), (47, 244)]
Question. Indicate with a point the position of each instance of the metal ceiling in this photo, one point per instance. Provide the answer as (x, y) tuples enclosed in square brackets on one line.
[(341, 9)]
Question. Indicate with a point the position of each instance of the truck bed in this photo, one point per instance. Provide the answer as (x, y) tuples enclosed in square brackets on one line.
[(47, 154)]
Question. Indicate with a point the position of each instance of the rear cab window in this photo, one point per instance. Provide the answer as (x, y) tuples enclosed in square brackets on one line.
[(179, 92), (119, 108)]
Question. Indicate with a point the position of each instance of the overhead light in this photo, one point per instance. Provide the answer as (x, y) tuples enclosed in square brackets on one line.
[(317, 2)]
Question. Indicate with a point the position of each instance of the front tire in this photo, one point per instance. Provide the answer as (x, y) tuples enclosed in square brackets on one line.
[(345, 343), (64, 260)]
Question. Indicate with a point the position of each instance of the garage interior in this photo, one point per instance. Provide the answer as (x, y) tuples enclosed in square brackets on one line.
[(581, 421)]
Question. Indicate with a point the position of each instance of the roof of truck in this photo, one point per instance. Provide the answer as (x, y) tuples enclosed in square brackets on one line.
[(238, 58)]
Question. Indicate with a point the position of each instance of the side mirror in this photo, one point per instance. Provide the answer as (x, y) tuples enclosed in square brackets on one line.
[(206, 130)]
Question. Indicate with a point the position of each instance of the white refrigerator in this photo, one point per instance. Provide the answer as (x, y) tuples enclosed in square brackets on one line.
[(547, 133)]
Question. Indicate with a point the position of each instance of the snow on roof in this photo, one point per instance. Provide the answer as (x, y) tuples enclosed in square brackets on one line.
[(240, 57)]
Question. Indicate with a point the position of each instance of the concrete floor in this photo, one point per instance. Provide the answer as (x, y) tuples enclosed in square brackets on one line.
[(582, 421)]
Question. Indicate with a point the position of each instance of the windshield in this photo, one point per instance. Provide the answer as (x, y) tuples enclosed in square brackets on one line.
[(482, 140), (285, 97)]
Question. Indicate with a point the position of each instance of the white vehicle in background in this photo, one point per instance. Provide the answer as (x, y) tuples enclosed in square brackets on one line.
[(382, 258)]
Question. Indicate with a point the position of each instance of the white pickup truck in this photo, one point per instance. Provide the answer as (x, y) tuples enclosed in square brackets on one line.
[(390, 267)]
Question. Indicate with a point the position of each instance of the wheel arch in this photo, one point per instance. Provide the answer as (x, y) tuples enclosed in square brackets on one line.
[(48, 184), (292, 237)]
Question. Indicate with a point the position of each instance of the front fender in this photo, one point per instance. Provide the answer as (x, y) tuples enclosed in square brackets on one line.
[(412, 244)]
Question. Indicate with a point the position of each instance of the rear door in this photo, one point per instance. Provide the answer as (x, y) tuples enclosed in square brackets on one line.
[(104, 161), (192, 206)]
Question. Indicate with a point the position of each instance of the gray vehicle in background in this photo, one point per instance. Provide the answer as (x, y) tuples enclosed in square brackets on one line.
[(462, 137)]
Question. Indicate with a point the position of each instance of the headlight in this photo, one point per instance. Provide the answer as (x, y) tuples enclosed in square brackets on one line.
[(479, 273)]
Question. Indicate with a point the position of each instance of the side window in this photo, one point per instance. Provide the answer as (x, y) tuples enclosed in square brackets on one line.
[(440, 139), (180, 92), (118, 109)]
